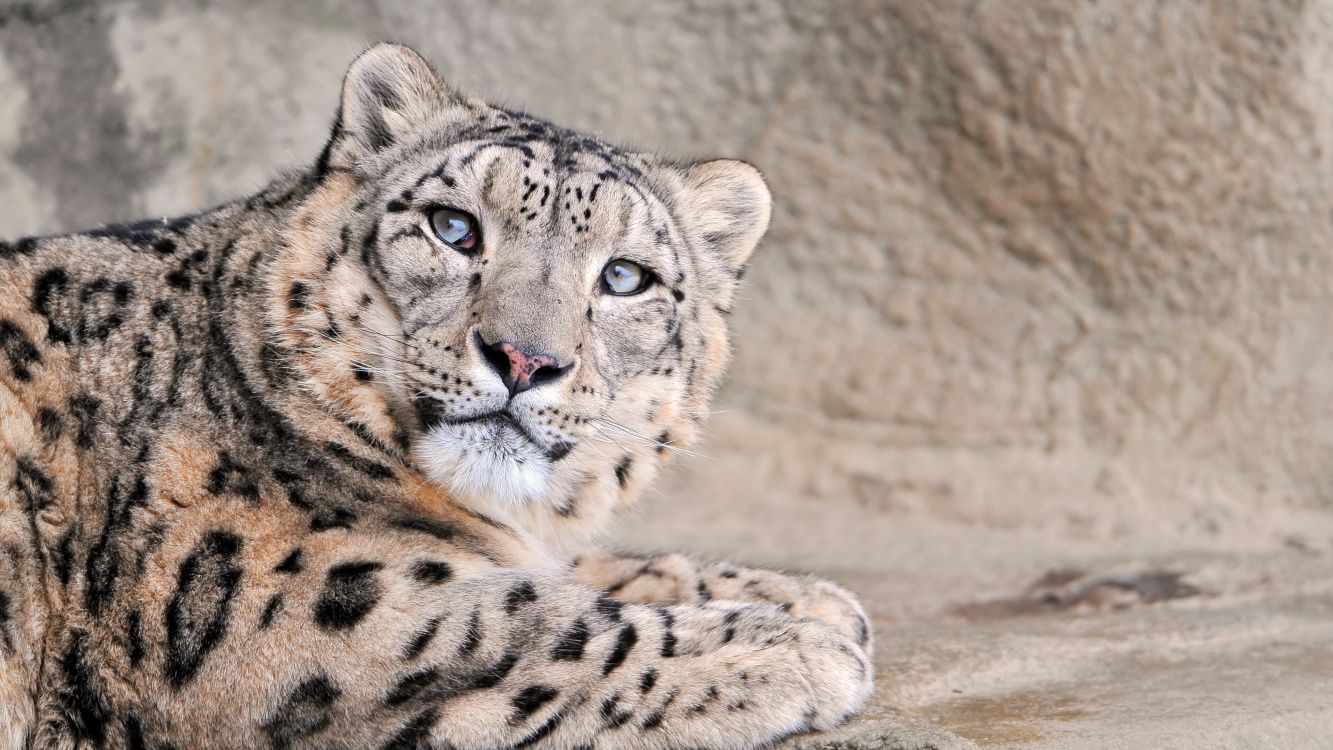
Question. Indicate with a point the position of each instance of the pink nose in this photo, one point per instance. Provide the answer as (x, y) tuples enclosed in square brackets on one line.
[(520, 370)]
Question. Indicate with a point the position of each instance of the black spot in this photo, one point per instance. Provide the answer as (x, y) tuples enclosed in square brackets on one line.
[(65, 556), (134, 637), (472, 636), (522, 594), (105, 559), (702, 589), (730, 621), (298, 296), (622, 471), (438, 529), (663, 441), (492, 675), (648, 680), (23, 246), (48, 420), (609, 608), (164, 246), (624, 642), (19, 350), (133, 733), (84, 410), (230, 476), (410, 686), (654, 720), (421, 640), (431, 572), (475, 282), (306, 711), (291, 563), (84, 705), (560, 449), (362, 373), (271, 610), (429, 410), (48, 284), (571, 643), (668, 636), (530, 699), (368, 245), (351, 590), (372, 469), (415, 734), (542, 732), (335, 518), (33, 485), (178, 279), (395, 206), (197, 613), (612, 717)]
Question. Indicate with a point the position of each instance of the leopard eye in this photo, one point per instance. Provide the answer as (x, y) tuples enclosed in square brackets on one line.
[(625, 277), (456, 228)]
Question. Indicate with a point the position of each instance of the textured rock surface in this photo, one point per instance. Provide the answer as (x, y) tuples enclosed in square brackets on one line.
[(1048, 286)]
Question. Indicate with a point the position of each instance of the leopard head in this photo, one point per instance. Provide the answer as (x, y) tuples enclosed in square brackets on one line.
[(530, 315)]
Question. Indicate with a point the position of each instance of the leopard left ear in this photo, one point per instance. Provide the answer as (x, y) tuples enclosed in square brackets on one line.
[(388, 93), (728, 205)]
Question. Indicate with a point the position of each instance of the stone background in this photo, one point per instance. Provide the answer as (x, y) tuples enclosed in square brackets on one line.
[(1048, 289)]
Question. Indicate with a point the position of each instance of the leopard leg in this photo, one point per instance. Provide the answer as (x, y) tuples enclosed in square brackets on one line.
[(395, 643), (676, 579)]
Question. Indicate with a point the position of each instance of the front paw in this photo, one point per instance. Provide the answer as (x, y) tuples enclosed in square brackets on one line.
[(839, 672), (828, 602), (800, 596)]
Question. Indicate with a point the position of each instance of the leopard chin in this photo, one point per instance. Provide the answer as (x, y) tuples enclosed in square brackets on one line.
[(489, 463)]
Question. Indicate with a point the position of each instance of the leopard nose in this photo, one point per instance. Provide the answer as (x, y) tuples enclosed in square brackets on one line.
[(520, 369)]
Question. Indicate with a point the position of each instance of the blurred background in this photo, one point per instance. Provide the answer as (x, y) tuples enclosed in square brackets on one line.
[(1036, 354)]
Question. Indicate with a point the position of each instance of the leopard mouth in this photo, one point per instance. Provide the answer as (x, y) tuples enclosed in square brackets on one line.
[(504, 421), (500, 422)]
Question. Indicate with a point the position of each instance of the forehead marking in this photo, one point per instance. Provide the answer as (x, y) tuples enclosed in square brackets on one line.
[(438, 172)]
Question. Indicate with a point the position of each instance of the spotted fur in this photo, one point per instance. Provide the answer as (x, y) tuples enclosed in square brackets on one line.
[(260, 486)]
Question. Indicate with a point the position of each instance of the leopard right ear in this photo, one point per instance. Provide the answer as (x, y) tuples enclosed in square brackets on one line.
[(389, 92), (728, 204)]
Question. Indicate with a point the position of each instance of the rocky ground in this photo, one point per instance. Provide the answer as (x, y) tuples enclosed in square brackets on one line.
[(1014, 639)]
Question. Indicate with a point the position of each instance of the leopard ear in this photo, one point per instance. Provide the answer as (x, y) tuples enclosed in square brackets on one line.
[(389, 92), (728, 205)]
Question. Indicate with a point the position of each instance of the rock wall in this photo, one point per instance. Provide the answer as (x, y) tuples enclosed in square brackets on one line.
[(1051, 270)]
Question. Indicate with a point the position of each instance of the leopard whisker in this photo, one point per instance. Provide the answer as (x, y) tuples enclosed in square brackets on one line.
[(647, 440)]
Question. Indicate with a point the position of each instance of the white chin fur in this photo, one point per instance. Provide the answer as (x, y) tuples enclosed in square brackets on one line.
[(489, 462)]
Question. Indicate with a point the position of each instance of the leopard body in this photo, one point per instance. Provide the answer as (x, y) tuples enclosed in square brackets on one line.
[(259, 485)]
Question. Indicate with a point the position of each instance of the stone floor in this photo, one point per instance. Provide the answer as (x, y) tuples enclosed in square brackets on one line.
[(1244, 668), (1006, 637)]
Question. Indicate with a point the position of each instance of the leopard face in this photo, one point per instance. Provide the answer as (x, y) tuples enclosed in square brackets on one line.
[(523, 310)]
